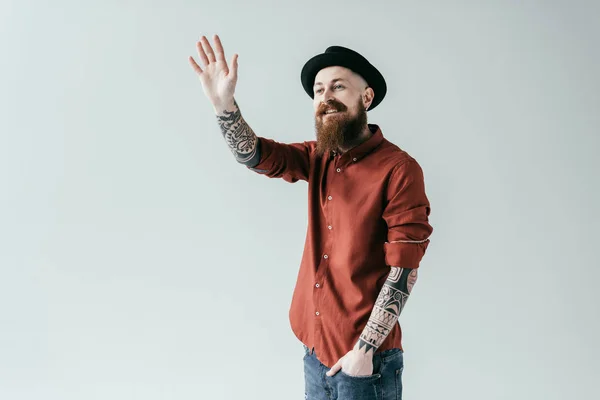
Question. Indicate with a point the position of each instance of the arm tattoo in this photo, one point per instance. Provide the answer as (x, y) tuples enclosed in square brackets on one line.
[(388, 306), (240, 138)]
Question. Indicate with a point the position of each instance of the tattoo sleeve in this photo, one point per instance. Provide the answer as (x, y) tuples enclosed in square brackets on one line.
[(240, 138), (387, 309)]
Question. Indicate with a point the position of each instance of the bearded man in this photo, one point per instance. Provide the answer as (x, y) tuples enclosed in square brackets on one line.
[(368, 225)]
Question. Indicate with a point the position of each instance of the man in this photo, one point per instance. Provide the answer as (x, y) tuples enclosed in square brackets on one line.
[(368, 220)]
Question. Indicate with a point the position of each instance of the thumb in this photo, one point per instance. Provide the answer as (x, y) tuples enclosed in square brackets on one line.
[(234, 66), (336, 367)]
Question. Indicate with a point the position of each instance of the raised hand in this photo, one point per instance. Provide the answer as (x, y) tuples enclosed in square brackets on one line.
[(218, 80)]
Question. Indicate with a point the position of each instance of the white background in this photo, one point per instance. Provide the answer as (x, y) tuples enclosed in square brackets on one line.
[(138, 260)]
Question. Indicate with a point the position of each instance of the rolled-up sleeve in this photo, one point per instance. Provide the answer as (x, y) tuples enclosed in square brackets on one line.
[(407, 216), (291, 162)]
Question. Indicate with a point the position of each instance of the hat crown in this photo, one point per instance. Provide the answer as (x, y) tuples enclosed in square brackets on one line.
[(341, 49)]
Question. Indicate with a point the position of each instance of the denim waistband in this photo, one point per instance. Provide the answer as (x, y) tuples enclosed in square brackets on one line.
[(377, 357)]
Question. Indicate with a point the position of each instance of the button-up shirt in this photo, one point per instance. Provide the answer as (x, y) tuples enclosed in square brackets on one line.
[(367, 211)]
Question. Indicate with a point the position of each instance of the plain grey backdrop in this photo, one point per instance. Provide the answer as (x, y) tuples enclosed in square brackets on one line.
[(138, 260)]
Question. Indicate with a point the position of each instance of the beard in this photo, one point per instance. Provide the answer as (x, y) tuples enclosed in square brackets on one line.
[(338, 130)]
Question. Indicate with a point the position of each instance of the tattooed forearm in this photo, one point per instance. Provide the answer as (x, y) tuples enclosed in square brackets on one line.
[(240, 138), (387, 309)]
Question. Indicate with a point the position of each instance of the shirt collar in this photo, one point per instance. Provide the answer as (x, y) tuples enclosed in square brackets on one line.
[(366, 147)]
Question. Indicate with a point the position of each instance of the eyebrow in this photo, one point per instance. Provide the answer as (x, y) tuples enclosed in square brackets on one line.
[(333, 81)]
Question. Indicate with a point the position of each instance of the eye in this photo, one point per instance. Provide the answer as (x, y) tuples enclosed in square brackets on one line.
[(338, 86), (319, 90)]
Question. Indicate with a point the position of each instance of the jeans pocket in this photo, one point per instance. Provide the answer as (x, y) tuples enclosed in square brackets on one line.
[(367, 387), (361, 377)]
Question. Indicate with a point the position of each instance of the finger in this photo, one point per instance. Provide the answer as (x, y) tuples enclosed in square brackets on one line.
[(333, 371), (208, 50), (201, 52), (194, 65), (336, 367), (219, 49)]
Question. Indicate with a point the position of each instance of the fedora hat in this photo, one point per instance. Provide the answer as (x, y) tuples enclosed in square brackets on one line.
[(344, 57)]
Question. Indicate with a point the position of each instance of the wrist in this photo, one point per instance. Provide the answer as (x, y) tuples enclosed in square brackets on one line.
[(224, 105), (362, 351)]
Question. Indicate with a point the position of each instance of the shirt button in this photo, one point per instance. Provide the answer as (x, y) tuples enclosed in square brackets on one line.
[(329, 198), (317, 313), (338, 170), (325, 256), (330, 227), (354, 159), (317, 285)]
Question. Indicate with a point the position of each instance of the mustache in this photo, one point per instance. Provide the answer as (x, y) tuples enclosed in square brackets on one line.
[(330, 105)]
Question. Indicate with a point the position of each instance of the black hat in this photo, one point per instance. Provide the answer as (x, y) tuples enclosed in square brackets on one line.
[(343, 57)]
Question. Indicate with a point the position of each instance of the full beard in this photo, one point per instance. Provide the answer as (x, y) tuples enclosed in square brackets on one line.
[(336, 131)]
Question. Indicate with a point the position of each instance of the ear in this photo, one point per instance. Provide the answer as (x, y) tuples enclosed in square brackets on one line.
[(367, 97)]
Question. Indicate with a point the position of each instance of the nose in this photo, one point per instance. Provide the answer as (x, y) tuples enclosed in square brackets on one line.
[(327, 95)]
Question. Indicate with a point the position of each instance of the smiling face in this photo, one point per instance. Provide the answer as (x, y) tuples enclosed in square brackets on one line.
[(341, 99)]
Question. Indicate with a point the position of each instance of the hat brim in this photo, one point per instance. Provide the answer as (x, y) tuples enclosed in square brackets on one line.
[(370, 74)]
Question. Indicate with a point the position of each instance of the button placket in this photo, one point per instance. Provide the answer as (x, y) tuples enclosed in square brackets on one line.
[(327, 246)]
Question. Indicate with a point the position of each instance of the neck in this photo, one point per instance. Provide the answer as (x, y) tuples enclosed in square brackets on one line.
[(364, 136)]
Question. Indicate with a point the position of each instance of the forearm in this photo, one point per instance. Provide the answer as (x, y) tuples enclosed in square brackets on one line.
[(387, 309), (238, 135)]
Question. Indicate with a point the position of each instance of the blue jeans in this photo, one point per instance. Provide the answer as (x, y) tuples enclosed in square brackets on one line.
[(384, 384)]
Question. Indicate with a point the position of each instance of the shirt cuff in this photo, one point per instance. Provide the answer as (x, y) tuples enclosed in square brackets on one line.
[(264, 165), (406, 254)]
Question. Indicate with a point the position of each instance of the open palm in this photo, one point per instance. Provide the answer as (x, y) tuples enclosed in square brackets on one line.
[(218, 80)]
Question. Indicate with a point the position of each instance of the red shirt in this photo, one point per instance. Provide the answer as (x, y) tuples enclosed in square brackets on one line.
[(367, 211)]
